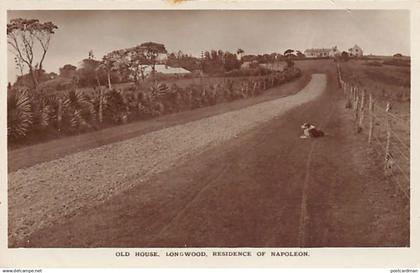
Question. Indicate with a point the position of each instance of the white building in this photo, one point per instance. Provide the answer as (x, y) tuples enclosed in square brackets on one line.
[(322, 52), (317, 52), (355, 51)]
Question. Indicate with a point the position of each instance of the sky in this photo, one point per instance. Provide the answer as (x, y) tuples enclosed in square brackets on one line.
[(380, 32)]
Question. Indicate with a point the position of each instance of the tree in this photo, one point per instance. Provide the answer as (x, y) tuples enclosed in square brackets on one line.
[(299, 54), (134, 60), (112, 62), (25, 36), (68, 71), (230, 61), (152, 51), (289, 54), (88, 73), (345, 56)]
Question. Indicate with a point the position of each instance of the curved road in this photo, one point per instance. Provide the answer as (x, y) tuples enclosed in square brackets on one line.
[(265, 187)]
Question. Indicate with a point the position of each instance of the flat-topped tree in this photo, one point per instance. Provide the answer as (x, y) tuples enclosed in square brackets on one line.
[(29, 40), (152, 51), (136, 62), (289, 54)]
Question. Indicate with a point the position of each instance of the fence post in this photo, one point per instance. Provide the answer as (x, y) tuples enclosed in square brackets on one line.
[(254, 91), (362, 112), (388, 156), (356, 109), (355, 97), (101, 94), (371, 117), (59, 113)]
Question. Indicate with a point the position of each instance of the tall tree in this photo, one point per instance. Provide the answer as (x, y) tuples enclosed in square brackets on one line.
[(112, 62), (134, 60), (25, 36), (88, 73), (289, 54), (152, 51)]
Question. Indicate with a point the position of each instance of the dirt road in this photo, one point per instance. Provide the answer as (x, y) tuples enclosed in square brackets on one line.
[(259, 186)]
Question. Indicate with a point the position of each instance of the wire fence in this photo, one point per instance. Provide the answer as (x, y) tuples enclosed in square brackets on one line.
[(383, 130)]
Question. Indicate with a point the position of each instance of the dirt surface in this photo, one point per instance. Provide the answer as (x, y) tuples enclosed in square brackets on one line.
[(265, 187), (86, 178)]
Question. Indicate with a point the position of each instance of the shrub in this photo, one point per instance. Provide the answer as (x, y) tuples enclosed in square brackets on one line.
[(79, 111), (39, 114), (115, 107), (19, 113)]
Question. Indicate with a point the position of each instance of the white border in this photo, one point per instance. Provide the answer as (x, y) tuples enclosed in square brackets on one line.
[(320, 257)]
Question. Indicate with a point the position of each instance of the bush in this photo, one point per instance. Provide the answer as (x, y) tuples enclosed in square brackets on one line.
[(19, 113), (50, 115)]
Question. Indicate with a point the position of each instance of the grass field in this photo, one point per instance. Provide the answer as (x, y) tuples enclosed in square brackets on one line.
[(386, 82)]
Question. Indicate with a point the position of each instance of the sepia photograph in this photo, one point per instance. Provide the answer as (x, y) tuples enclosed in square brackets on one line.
[(212, 128)]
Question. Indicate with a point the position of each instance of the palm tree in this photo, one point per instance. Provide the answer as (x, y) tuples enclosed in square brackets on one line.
[(48, 110), (79, 110), (19, 114), (115, 106)]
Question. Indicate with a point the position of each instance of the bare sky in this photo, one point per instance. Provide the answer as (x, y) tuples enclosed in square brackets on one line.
[(377, 32)]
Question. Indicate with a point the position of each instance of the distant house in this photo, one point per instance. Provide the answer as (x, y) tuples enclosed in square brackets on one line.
[(335, 52), (321, 52), (356, 51), (317, 52)]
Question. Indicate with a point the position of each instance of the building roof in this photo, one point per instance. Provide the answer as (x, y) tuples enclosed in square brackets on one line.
[(164, 69), (317, 49), (354, 47)]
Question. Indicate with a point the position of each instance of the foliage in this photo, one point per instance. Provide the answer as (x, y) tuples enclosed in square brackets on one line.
[(68, 71), (290, 54), (115, 106), (19, 114), (79, 111), (185, 61), (345, 56), (217, 62), (51, 113), (24, 36), (152, 51)]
